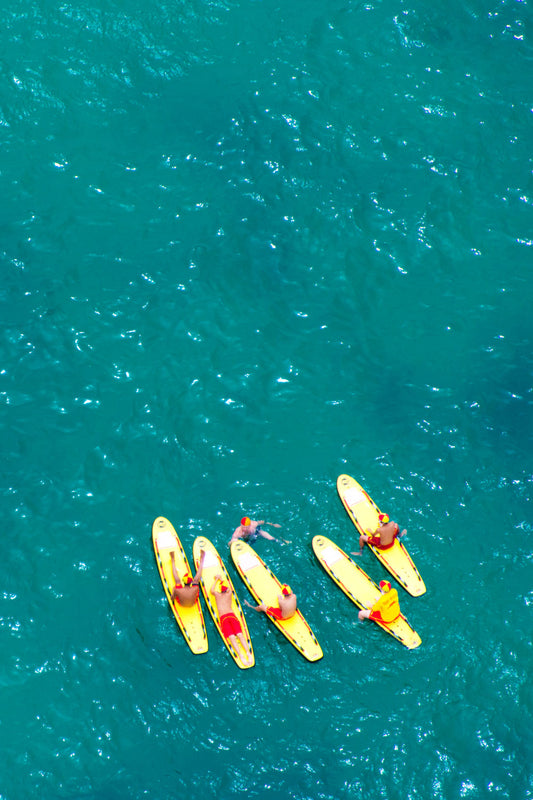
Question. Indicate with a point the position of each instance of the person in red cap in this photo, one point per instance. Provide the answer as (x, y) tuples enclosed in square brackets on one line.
[(383, 537), (250, 530), (386, 609), (229, 624), (186, 588), (286, 605)]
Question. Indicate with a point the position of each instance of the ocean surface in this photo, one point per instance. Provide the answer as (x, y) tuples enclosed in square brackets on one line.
[(247, 247)]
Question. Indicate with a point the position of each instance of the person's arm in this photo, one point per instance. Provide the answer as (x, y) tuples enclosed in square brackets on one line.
[(258, 608), (236, 535), (273, 524), (216, 578)]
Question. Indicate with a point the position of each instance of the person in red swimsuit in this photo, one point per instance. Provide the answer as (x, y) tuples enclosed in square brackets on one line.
[(229, 624), (383, 537), (186, 589), (286, 609)]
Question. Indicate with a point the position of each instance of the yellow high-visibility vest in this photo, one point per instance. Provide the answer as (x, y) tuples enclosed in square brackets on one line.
[(387, 607)]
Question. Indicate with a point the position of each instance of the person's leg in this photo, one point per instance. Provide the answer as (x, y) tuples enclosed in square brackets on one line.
[(260, 607), (175, 575), (237, 631), (362, 540), (244, 643), (234, 638), (198, 575)]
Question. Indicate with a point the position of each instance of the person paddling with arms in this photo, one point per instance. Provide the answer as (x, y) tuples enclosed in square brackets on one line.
[(286, 605), (250, 530)]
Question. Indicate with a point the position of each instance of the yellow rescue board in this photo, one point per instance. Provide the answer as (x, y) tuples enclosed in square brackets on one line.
[(359, 587), (364, 514), (191, 620), (214, 565), (265, 588)]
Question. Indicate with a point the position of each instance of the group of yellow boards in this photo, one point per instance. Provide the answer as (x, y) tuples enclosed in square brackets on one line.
[(264, 586)]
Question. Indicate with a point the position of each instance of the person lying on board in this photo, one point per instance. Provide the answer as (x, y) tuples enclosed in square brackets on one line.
[(186, 589), (229, 624), (250, 530), (286, 605), (386, 609), (383, 537)]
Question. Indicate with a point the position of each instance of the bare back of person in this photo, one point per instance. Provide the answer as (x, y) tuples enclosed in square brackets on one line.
[(223, 601), (186, 595), (388, 532), (287, 605), (186, 589), (382, 538)]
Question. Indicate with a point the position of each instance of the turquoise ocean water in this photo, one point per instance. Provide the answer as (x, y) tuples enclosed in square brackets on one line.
[(246, 247)]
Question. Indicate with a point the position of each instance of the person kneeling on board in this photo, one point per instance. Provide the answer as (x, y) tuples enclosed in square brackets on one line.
[(187, 589), (386, 609), (383, 537), (229, 624), (286, 605), (250, 530)]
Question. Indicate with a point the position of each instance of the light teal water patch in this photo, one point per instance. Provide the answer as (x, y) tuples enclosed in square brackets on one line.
[(247, 248)]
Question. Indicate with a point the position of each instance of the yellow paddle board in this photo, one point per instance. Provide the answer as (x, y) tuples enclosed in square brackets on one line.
[(214, 565), (359, 587), (191, 620), (364, 514), (265, 588)]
